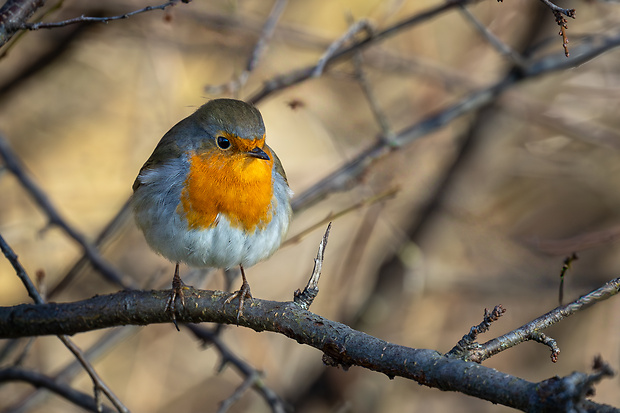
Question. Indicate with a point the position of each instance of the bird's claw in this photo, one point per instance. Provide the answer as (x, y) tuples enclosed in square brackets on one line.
[(176, 292), (243, 294)]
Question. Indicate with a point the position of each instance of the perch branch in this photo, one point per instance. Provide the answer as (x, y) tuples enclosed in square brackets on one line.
[(341, 344)]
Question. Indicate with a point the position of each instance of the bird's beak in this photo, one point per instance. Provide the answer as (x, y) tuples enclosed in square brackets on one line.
[(258, 153)]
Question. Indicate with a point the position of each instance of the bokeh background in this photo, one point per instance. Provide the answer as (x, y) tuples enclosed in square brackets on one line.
[(484, 212)]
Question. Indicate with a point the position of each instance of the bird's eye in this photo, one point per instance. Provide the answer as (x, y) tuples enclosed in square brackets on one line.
[(223, 143)]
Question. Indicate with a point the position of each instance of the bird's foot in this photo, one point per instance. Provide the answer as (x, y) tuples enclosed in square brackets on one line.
[(176, 292), (243, 294)]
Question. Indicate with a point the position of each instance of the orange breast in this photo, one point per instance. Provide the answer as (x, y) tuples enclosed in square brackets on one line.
[(233, 184)]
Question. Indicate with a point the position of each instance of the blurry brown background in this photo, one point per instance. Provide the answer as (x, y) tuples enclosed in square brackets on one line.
[(540, 166)]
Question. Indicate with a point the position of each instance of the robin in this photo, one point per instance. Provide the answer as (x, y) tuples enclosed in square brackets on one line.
[(213, 194)]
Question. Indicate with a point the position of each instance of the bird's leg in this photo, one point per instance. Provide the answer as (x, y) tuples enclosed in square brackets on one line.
[(177, 291), (242, 294)]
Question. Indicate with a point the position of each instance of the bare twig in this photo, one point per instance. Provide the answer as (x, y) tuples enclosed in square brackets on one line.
[(238, 393), (98, 383), (355, 28), (110, 339), (563, 23), (559, 14), (298, 76), (42, 381), (87, 19), (380, 117), (500, 46), (20, 271), (542, 338), (567, 264), (468, 341), (556, 9), (209, 337), (304, 299), (530, 330), (261, 45), (345, 177), (335, 215), (104, 236)]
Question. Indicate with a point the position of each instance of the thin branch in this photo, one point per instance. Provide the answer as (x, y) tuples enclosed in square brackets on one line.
[(238, 393), (345, 177), (211, 337), (87, 19), (530, 330), (261, 45), (468, 341), (390, 193), (304, 299), (500, 46), (97, 381), (559, 14), (563, 23), (104, 236), (557, 9), (300, 75), (14, 165), (31, 401), (355, 28), (20, 271), (379, 115), (542, 338), (567, 264), (42, 381)]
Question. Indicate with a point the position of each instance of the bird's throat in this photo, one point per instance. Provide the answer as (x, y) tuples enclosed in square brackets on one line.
[(237, 187)]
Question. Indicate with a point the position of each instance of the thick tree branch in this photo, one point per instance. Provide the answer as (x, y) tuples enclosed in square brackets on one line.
[(13, 14), (340, 344)]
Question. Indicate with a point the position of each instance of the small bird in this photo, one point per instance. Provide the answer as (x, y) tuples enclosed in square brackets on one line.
[(213, 194)]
